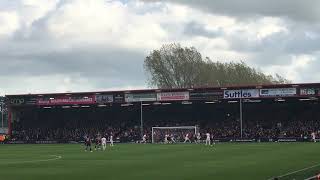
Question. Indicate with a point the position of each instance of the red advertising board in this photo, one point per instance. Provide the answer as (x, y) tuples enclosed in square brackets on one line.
[(66, 100)]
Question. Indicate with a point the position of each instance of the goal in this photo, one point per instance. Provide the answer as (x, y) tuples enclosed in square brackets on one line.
[(178, 132)]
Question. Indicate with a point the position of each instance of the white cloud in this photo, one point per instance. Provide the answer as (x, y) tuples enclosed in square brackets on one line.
[(297, 68), (264, 27), (54, 84), (105, 23), (9, 23), (84, 45), (33, 10), (23, 14)]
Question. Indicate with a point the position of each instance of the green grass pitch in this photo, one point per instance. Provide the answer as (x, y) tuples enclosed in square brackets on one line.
[(247, 161)]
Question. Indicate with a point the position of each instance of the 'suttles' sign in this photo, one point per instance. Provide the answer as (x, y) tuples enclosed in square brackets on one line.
[(245, 93)]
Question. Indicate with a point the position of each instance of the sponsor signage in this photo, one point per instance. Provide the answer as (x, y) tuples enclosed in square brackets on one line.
[(210, 95), (118, 98), (173, 96), (3, 109), (16, 142), (308, 91), (23, 101), (278, 92), (241, 93), (140, 97), (103, 99), (66, 100), (17, 101), (243, 140), (46, 142), (287, 140), (31, 101), (3, 130)]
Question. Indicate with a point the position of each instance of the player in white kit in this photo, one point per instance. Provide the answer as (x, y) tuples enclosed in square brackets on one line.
[(208, 141), (186, 138), (198, 138), (144, 139), (111, 140), (172, 138), (166, 141), (313, 136), (104, 143)]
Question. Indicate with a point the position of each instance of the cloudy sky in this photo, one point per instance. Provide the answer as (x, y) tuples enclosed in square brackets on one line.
[(86, 45)]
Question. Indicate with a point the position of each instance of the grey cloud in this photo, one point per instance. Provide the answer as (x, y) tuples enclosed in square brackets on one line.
[(306, 10), (35, 52), (92, 63), (197, 29), (295, 42), (278, 48), (312, 74)]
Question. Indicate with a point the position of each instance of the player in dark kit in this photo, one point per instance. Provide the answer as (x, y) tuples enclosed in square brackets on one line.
[(97, 142), (88, 143)]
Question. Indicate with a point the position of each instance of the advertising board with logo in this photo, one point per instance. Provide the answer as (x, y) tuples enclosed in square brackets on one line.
[(118, 97), (66, 100), (208, 95), (308, 91), (17, 101), (31, 101), (104, 98), (173, 96), (278, 92), (241, 93), (140, 97)]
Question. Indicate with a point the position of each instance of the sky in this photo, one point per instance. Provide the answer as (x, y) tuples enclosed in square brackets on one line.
[(49, 46)]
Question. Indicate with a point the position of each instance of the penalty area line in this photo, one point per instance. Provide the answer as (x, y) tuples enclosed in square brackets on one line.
[(294, 172), (54, 158)]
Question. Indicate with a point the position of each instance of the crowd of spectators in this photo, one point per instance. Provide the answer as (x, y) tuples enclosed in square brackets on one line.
[(76, 134), (296, 129), (124, 123)]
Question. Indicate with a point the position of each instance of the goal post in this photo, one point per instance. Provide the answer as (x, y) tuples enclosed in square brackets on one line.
[(158, 133)]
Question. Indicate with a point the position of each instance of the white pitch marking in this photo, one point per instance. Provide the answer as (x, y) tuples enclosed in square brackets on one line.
[(293, 172), (35, 161)]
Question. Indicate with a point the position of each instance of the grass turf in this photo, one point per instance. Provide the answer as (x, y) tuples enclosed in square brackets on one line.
[(245, 161)]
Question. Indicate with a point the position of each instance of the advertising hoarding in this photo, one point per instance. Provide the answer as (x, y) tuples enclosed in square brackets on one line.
[(241, 93), (173, 96), (207, 95), (308, 91), (104, 98), (278, 92), (118, 98), (140, 97), (66, 100)]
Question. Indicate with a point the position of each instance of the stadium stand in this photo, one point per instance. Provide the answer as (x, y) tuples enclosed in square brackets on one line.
[(269, 113)]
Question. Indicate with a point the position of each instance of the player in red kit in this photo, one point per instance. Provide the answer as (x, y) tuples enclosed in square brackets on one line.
[(88, 143), (97, 142)]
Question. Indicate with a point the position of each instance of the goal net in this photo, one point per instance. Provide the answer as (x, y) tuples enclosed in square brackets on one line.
[(177, 133)]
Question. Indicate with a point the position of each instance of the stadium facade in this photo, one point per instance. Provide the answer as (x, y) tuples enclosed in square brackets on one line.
[(233, 98)]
